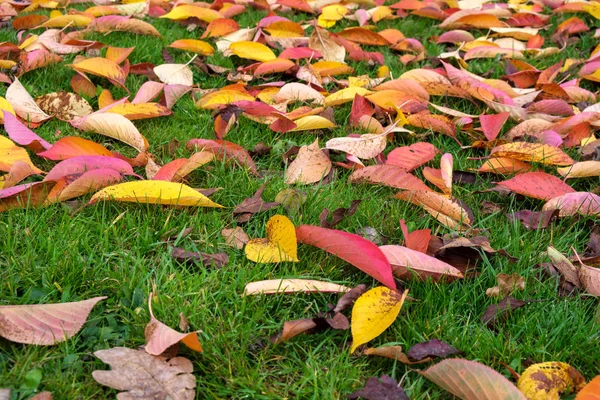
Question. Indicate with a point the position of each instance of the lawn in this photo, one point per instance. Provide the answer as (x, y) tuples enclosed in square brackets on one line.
[(120, 250)]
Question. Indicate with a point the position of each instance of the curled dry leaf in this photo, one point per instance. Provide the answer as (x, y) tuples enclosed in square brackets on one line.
[(470, 380), (534, 219), (44, 324), (360, 252), (279, 245), (546, 381), (138, 374), (310, 166), (373, 313), (224, 150), (590, 279), (253, 205), (506, 285), (159, 337), (235, 237), (407, 263), (292, 286), (338, 215), (569, 272), (154, 192)]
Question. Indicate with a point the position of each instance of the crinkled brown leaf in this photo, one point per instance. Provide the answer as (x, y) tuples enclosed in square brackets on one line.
[(235, 237), (218, 260), (383, 388), (338, 215), (500, 311), (253, 205), (431, 348), (506, 285)]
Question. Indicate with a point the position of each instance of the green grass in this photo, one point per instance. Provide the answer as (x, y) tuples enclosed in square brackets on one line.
[(119, 251)]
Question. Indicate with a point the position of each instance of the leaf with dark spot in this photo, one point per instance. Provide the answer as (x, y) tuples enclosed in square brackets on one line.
[(501, 311), (384, 388), (431, 348), (218, 260), (338, 215)]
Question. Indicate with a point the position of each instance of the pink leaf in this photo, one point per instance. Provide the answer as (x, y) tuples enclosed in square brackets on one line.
[(297, 53), (569, 204), (407, 263), (413, 156), (352, 248), (81, 164), (388, 175), (492, 124), (44, 324), (76, 185), (23, 135), (223, 149)]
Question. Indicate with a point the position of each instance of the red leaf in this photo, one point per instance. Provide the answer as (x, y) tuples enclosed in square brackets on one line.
[(360, 107), (492, 124), (225, 150), (388, 175), (413, 156), (416, 240), (360, 252), (538, 185)]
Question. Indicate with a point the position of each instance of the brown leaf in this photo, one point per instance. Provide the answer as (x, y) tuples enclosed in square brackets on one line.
[(235, 237), (218, 260), (567, 270), (590, 279), (348, 299), (384, 388), (534, 219), (159, 337), (294, 328), (140, 375), (431, 348), (310, 166), (338, 215), (64, 106), (506, 285), (41, 396), (500, 311), (253, 205), (323, 41)]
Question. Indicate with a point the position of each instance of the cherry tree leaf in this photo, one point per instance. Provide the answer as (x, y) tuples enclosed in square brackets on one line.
[(407, 263)]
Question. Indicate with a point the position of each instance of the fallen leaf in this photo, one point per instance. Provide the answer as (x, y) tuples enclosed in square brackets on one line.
[(534, 219), (533, 152), (253, 205), (500, 311), (395, 353), (570, 204), (373, 313), (448, 211), (10, 154), (294, 328), (359, 252), (159, 337), (279, 245), (79, 184), (538, 185), (337, 215), (416, 240), (388, 175), (73, 146), (102, 67), (24, 105), (366, 146), (590, 279), (548, 380), (506, 285), (218, 260), (44, 324), (323, 41), (154, 192), (23, 135), (291, 199), (178, 169), (310, 166), (274, 286), (112, 125), (383, 388), (224, 150), (64, 106), (175, 74), (470, 380), (138, 374), (591, 391), (252, 51), (431, 349), (407, 263), (235, 237)]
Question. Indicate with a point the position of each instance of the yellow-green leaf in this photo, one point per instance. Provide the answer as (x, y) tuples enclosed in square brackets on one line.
[(373, 313), (154, 192)]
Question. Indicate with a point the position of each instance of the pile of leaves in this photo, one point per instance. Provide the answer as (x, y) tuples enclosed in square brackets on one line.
[(534, 130)]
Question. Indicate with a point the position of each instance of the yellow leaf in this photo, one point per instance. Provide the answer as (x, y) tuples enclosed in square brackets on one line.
[(252, 51), (593, 9), (373, 313), (140, 110), (533, 152), (10, 153), (331, 68), (187, 11), (334, 12), (345, 95), (6, 106), (154, 192), (279, 245), (545, 381), (195, 46), (281, 29), (312, 122), (214, 100), (102, 67), (78, 21)]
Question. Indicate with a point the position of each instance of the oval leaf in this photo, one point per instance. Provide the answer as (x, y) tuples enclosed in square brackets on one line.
[(292, 286), (406, 263)]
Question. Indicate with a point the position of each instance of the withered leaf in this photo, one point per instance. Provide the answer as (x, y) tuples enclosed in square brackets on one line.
[(294, 328), (291, 199), (534, 219), (338, 215), (431, 348), (348, 299), (383, 388), (501, 311), (64, 106), (253, 205), (394, 353), (143, 376), (218, 260), (235, 237), (506, 285)]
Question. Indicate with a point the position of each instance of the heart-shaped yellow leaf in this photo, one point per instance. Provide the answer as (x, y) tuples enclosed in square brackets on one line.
[(373, 313), (279, 245)]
